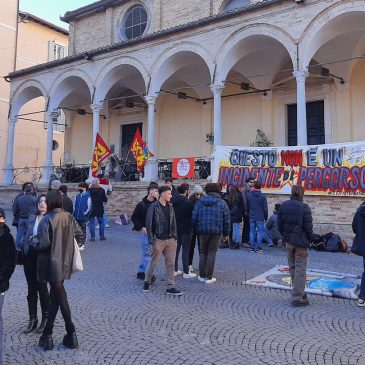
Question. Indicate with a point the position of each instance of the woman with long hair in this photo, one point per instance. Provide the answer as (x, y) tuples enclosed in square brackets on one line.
[(56, 246), (35, 287), (236, 210)]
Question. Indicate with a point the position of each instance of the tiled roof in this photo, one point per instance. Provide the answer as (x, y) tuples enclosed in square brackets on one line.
[(145, 38), (24, 15)]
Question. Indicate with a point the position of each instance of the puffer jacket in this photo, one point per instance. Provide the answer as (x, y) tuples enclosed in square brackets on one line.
[(295, 223), (257, 205), (155, 222), (358, 227), (183, 211), (7, 257), (56, 233), (211, 216)]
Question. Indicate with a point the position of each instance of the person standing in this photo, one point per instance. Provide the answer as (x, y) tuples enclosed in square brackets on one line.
[(107, 186), (55, 246), (210, 220), (170, 183), (98, 198), (296, 225), (162, 235), (24, 207), (246, 219), (258, 214), (16, 218), (358, 247), (81, 209), (183, 208), (56, 175), (30, 271), (67, 204), (139, 221), (236, 210), (7, 267), (195, 196)]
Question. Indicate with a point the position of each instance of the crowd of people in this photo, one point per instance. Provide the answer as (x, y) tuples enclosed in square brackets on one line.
[(169, 221)]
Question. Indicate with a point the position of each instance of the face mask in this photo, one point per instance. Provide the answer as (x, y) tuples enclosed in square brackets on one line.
[(81, 191)]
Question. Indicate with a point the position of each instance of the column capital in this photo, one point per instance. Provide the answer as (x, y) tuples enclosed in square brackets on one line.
[(96, 108), (150, 99), (300, 75), (217, 88)]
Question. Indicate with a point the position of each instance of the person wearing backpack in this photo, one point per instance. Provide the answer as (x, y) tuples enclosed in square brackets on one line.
[(358, 246), (296, 226), (81, 209)]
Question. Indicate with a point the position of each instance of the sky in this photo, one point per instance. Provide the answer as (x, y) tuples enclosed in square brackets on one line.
[(51, 10)]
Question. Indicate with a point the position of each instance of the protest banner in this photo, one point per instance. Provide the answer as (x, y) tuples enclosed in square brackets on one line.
[(336, 169), (183, 168)]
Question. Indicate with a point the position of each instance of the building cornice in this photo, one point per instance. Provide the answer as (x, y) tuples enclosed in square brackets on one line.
[(89, 55)]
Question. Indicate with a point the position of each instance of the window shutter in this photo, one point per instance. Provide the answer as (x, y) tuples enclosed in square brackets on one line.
[(51, 45)]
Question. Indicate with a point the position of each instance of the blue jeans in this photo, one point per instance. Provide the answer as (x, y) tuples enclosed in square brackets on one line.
[(22, 224), (106, 219), (101, 226), (267, 236), (236, 232), (362, 286), (146, 253), (259, 225), (1, 327)]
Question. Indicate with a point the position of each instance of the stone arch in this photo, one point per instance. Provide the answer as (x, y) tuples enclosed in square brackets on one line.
[(224, 62), (25, 92), (310, 41), (56, 95), (102, 84), (159, 75)]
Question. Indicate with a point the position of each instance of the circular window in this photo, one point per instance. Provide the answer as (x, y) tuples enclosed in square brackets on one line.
[(55, 145), (135, 22)]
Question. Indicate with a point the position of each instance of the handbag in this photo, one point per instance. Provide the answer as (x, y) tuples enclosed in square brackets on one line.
[(77, 265)]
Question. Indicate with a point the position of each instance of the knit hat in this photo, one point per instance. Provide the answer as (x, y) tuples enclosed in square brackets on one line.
[(197, 189), (2, 213), (95, 181), (162, 189), (55, 185)]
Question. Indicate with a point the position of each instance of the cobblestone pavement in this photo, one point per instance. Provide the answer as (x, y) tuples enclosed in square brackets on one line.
[(222, 323)]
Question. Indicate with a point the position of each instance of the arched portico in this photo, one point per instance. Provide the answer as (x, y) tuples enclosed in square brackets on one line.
[(26, 92)]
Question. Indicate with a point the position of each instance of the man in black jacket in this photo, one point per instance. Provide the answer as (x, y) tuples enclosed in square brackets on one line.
[(358, 247), (67, 204), (296, 225), (183, 208), (7, 266), (139, 220), (162, 234)]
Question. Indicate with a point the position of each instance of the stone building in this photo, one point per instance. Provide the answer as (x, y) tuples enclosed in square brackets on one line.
[(183, 71), (27, 40)]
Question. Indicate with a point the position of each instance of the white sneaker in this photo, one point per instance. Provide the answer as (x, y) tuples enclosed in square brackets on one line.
[(96, 227), (210, 281), (201, 279), (191, 275), (361, 303), (107, 226), (178, 272), (191, 269)]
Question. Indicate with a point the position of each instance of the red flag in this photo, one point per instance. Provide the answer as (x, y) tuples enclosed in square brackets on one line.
[(101, 153), (140, 151), (183, 168)]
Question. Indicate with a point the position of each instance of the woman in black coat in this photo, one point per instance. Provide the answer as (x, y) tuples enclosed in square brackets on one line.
[(56, 245), (236, 210), (30, 270), (358, 247)]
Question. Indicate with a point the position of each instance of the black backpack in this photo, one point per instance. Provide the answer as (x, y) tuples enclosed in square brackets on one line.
[(332, 242)]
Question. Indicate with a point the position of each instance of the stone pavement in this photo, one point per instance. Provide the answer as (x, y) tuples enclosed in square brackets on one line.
[(222, 323)]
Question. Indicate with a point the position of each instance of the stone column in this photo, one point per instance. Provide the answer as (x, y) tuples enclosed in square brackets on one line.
[(96, 108), (48, 165), (217, 124), (8, 171), (151, 168), (301, 107)]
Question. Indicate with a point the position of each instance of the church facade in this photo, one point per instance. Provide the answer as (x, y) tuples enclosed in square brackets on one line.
[(195, 74)]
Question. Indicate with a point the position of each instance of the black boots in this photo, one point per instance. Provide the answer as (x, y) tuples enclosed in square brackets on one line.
[(46, 342), (32, 325), (43, 323), (70, 341)]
